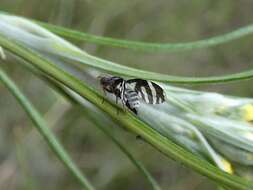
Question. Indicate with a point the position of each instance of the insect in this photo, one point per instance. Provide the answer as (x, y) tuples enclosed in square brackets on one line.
[(130, 92)]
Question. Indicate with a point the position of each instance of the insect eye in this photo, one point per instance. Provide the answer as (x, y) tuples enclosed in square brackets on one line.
[(103, 81)]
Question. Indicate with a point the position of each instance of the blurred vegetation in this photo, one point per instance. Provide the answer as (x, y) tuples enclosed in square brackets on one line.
[(26, 161)]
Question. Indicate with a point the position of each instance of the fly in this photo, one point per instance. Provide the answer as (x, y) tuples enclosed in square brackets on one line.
[(130, 92)]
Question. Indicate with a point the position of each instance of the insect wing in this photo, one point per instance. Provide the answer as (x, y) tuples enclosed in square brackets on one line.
[(150, 92)]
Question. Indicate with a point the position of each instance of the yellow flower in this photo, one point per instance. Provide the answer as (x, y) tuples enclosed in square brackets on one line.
[(227, 167), (248, 112)]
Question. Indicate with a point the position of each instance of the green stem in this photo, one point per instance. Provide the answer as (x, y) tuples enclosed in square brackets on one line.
[(126, 119), (150, 47), (59, 47)]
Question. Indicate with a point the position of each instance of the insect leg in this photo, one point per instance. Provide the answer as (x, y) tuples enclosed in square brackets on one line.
[(103, 100), (130, 108), (117, 98)]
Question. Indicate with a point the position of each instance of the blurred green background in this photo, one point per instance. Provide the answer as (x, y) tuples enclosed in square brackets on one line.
[(25, 160)]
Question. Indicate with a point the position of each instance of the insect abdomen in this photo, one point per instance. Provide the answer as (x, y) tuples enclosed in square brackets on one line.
[(132, 98)]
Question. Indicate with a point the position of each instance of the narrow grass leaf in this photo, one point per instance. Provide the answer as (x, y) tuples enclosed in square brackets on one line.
[(145, 46), (149, 47), (41, 126)]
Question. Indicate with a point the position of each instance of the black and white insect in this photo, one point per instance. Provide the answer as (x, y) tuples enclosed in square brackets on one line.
[(130, 92)]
